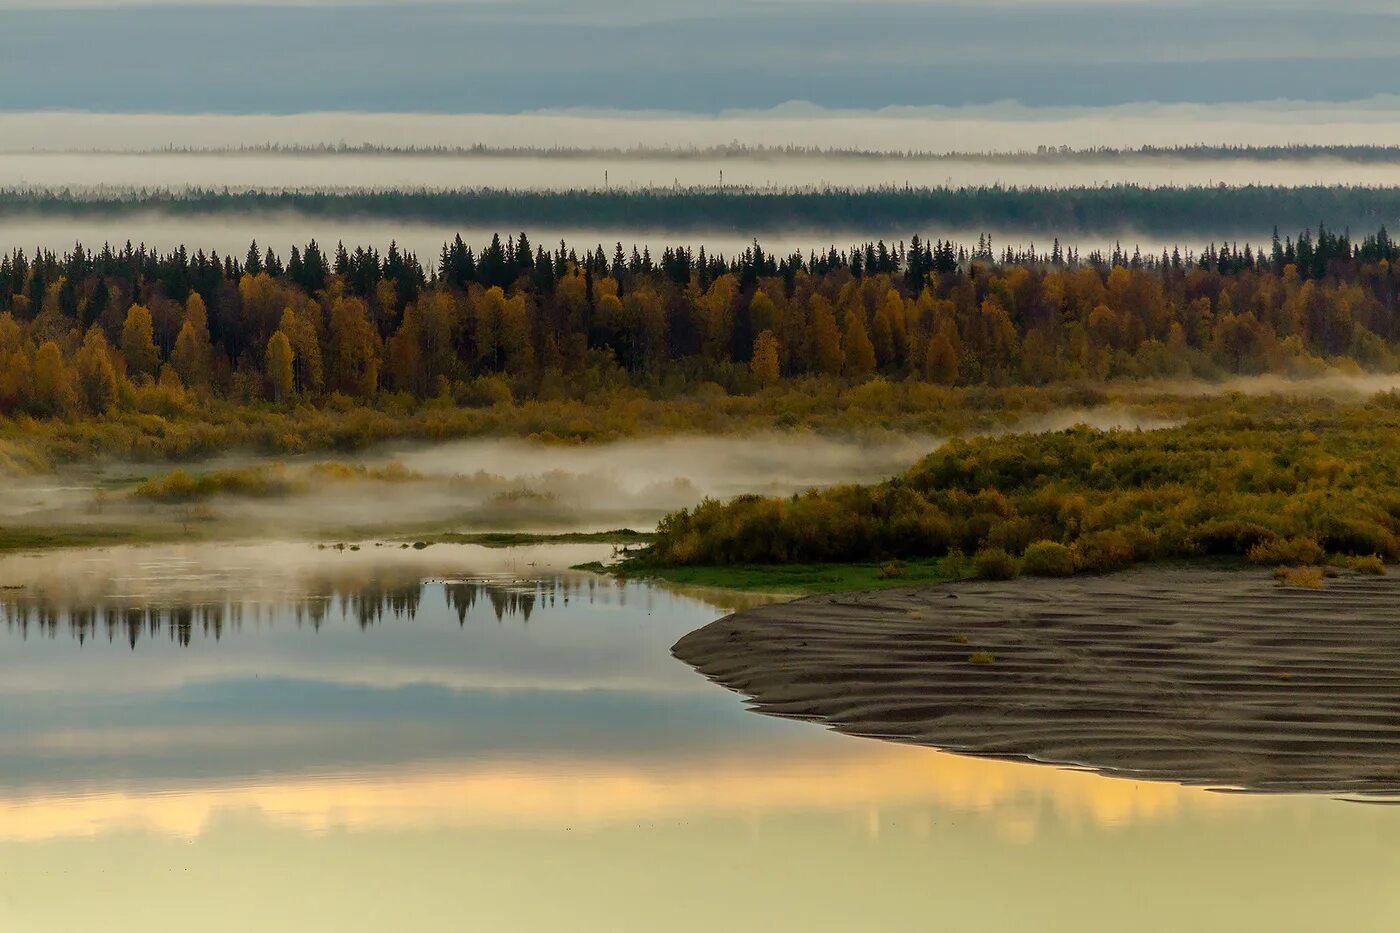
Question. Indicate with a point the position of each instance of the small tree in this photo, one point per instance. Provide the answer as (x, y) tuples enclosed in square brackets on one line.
[(765, 365), (279, 367), (941, 361), (138, 343), (860, 352), (97, 378)]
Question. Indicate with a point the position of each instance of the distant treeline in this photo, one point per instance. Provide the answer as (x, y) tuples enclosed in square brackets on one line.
[(1190, 212), (132, 330), (737, 150)]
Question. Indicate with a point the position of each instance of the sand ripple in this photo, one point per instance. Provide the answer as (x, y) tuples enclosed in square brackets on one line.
[(1201, 677)]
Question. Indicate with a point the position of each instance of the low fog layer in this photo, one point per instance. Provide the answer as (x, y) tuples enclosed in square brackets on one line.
[(317, 171), (230, 234), (493, 484), (266, 574), (1343, 386), (485, 485), (1003, 127)]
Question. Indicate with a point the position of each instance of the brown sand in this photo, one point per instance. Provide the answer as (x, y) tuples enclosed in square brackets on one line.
[(1203, 677)]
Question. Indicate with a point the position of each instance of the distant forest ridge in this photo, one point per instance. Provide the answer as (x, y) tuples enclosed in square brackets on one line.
[(96, 334), (1371, 154), (1185, 213)]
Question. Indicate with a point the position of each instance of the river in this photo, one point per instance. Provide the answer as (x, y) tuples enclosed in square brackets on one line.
[(275, 736)]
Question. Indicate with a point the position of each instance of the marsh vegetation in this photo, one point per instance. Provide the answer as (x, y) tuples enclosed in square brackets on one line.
[(1268, 481)]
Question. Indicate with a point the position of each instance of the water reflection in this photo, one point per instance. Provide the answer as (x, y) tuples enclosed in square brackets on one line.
[(131, 620), (594, 792), (455, 739)]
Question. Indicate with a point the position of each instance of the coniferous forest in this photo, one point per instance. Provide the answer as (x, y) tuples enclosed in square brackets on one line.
[(1175, 212), (81, 331)]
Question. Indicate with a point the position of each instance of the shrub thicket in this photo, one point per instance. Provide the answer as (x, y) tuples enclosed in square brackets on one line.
[(1274, 481)]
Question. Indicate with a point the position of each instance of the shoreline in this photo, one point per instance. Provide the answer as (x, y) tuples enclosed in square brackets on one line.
[(1213, 678)]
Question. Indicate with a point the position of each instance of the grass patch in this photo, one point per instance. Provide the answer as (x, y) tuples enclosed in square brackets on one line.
[(797, 579), (37, 539), (498, 539), (260, 481)]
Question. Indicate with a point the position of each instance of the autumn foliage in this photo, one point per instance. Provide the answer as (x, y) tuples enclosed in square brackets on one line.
[(79, 332), (1268, 481)]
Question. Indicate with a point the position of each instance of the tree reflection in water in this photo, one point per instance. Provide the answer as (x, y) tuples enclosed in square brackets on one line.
[(368, 605)]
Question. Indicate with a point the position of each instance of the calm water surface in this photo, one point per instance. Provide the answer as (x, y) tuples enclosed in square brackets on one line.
[(277, 737)]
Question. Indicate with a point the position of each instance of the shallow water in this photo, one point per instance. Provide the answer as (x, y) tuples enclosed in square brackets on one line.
[(277, 737)]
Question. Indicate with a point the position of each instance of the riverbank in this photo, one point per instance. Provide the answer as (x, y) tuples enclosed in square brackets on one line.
[(787, 579), (1183, 674)]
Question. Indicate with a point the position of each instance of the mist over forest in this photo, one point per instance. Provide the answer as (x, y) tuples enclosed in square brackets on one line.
[(1008, 125), (600, 171)]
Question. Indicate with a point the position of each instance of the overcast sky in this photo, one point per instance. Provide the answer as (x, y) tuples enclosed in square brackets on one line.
[(471, 56)]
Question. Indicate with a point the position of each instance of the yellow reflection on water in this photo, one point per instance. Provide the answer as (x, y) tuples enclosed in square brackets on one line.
[(850, 775)]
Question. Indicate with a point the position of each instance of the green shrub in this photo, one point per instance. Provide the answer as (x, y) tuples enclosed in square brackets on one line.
[(955, 565), (1013, 535), (1231, 536), (992, 563), (981, 657), (1047, 559), (1370, 564), (175, 486), (258, 481), (1103, 551), (1357, 535), (1301, 550)]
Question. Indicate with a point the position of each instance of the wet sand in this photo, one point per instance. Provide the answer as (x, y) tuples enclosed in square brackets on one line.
[(1202, 677)]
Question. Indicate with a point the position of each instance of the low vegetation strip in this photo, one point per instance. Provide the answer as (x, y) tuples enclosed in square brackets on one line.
[(1159, 211), (1271, 481)]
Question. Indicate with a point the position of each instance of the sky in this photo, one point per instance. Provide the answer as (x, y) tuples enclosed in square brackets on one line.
[(469, 56)]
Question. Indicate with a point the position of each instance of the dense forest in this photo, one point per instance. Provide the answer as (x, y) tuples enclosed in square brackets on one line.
[(1184, 213), (80, 332)]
